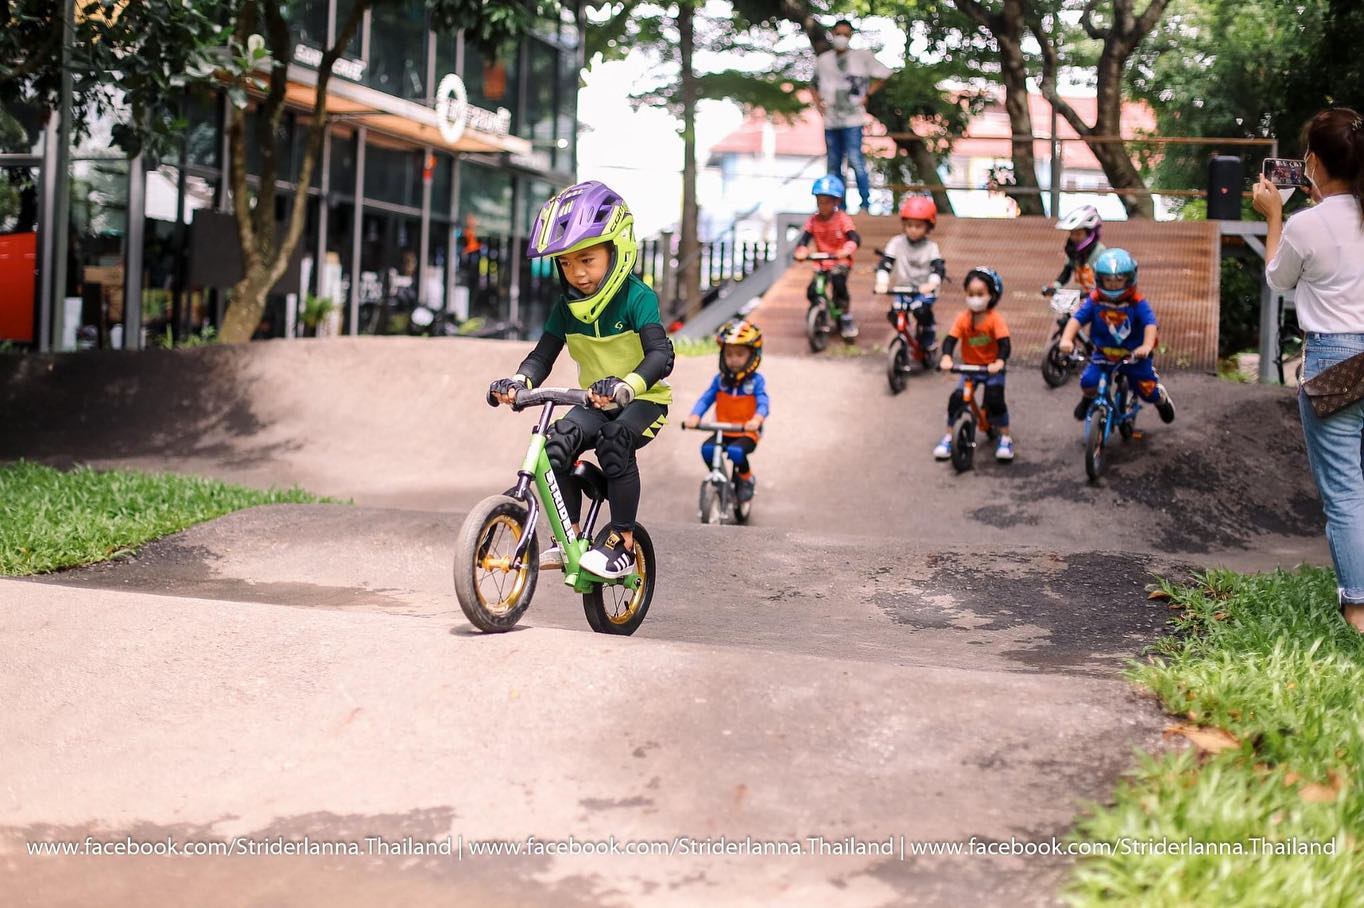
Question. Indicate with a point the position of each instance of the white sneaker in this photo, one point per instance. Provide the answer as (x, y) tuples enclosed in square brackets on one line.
[(1005, 451), (552, 559), (610, 559), (944, 448)]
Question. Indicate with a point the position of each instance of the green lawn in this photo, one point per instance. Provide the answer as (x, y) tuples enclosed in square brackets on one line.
[(51, 519), (1267, 659)]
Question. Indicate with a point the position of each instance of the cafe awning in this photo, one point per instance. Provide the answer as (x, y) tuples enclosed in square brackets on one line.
[(397, 117)]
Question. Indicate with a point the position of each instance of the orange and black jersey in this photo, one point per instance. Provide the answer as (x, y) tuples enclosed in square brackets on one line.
[(735, 403)]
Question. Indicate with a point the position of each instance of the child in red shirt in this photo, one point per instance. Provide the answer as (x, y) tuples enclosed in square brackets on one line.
[(984, 339), (832, 231)]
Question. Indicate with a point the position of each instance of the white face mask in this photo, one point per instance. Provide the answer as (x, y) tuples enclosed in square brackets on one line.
[(977, 303), (840, 42)]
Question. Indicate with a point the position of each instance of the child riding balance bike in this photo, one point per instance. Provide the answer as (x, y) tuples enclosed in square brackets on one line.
[(911, 270), (609, 320), (985, 348), (835, 239), (739, 395)]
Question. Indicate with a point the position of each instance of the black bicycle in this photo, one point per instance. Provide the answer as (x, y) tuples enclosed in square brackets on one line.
[(1058, 367)]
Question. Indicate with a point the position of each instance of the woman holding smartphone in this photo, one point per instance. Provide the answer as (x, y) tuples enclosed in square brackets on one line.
[(1321, 252)]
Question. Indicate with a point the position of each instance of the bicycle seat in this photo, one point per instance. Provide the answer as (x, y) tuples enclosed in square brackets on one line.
[(590, 479)]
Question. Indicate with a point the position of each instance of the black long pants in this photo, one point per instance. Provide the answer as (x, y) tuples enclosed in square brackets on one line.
[(615, 435)]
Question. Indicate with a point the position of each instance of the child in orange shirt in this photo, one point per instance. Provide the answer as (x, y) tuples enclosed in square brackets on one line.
[(984, 339), (831, 229), (739, 395)]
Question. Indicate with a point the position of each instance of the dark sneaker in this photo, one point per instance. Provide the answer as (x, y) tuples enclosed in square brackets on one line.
[(610, 559), (1164, 406), (847, 327), (1082, 408), (743, 486)]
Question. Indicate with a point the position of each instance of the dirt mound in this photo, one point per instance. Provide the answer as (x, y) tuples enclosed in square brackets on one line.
[(401, 422)]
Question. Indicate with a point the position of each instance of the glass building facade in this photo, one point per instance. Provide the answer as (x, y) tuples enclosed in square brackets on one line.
[(395, 213)]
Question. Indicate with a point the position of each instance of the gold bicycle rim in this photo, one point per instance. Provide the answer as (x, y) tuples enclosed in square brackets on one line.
[(489, 565), (642, 567)]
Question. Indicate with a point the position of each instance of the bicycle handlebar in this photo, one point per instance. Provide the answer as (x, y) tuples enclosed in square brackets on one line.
[(978, 370), (820, 256), (730, 427), (572, 397)]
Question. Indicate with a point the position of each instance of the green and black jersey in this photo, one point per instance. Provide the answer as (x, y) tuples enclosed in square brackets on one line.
[(627, 340)]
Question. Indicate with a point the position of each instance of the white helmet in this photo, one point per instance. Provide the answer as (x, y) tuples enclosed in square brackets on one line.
[(1086, 216)]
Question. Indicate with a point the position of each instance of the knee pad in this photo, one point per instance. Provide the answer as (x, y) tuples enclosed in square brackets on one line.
[(736, 453), (563, 444), (1146, 388), (955, 404), (994, 401), (615, 449)]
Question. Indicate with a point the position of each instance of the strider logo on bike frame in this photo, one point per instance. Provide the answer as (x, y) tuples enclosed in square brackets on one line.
[(558, 499)]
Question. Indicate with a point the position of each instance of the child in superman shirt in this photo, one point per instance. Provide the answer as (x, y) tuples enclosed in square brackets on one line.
[(739, 395), (1122, 326)]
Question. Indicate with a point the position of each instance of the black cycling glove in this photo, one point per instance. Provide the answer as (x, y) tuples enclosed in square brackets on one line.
[(504, 386), (615, 389)]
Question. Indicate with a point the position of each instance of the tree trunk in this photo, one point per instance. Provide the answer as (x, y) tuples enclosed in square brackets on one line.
[(1113, 157), (264, 260), (246, 305), (1014, 74), (688, 252), (1120, 40), (925, 165)]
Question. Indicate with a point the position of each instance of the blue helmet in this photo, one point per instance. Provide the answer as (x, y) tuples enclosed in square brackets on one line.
[(829, 185), (1115, 263), (992, 280)]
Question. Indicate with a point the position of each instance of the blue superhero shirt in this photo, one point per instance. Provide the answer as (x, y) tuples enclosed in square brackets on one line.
[(1115, 328), (736, 403)]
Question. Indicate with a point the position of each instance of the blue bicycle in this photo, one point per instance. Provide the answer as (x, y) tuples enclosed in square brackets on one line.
[(1115, 406)]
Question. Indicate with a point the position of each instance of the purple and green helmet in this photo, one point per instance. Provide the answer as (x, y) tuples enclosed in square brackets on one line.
[(584, 215)]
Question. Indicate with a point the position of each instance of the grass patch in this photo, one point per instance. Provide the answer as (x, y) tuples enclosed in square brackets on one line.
[(51, 519), (1267, 659), (694, 346)]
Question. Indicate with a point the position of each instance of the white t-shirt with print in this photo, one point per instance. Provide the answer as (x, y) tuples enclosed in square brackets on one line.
[(842, 81), (913, 263), (1322, 254)]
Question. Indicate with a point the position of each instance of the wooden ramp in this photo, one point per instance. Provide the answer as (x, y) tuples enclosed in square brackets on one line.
[(1179, 275)]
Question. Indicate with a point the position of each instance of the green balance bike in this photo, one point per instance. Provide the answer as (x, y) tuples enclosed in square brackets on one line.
[(497, 557), (824, 314)]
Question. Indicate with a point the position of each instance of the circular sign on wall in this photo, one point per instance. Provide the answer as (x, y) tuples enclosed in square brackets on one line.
[(452, 107)]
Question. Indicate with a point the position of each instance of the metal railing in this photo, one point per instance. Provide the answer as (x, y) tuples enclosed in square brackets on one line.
[(722, 262)]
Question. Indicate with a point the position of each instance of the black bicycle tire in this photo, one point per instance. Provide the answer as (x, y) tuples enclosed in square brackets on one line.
[(466, 548), (817, 338), (594, 605), (963, 442), (897, 364), (1094, 442)]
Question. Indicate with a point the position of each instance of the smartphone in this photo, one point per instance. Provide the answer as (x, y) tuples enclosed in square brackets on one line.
[(1285, 173)]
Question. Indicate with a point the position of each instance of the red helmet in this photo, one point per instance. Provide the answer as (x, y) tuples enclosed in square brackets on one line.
[(919, 208)]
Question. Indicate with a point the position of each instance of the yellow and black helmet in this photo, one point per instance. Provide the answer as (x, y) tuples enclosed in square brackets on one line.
[(740, 333)]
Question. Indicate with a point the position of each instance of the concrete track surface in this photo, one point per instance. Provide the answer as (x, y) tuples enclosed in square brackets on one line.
[(891, 652)]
